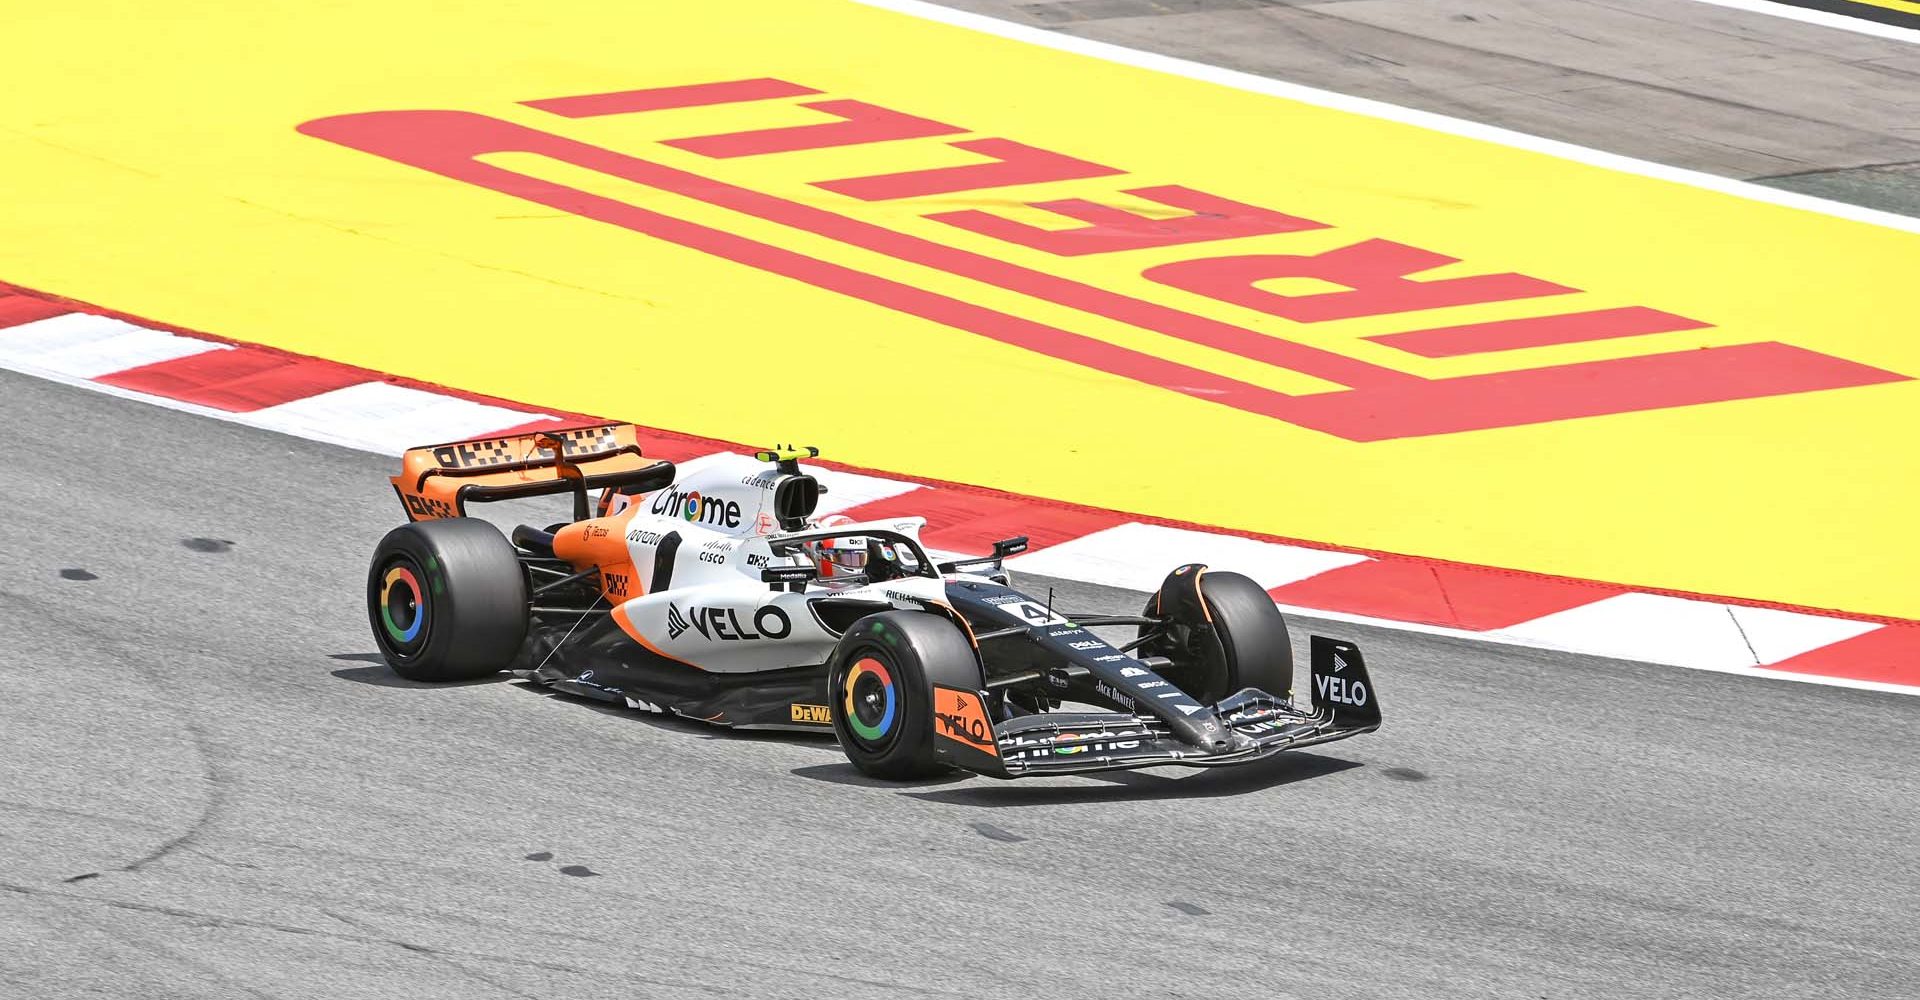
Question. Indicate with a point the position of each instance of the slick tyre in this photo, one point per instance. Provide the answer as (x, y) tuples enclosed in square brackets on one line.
[(1223, 633), (447, 600), (880, 690)]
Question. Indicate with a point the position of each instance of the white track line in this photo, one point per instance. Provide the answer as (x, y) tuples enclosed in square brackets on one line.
[(1513, 639), (269, 419), (371, 416), (1139, 556), (1654, 628), (83, 346), (1396, 113), (1822, 18)]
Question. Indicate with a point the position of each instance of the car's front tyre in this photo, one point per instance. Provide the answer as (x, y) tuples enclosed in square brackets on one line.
[(1222, 632), (880, 690)]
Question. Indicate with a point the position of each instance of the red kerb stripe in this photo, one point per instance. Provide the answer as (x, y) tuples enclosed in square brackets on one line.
[(963, 521), (18, 309), (240, 380), (1463, 597), (1890, 654)]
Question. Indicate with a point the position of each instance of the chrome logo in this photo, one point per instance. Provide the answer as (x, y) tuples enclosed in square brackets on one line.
[(865, 675), (692, 509), (401, 590)]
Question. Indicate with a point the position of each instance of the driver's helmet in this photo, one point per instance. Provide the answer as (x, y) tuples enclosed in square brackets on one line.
[(840, 557)]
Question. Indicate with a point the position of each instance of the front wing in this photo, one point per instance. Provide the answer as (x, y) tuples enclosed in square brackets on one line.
[(1260, 725)]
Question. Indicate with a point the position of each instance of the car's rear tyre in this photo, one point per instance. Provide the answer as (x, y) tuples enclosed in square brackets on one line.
[(880, 690), (1223, 634), (447, 600)]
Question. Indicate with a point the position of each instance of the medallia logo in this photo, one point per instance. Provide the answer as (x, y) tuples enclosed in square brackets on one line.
[(694, 507)]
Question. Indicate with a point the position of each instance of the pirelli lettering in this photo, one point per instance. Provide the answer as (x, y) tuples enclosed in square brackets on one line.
[(1366, 278)]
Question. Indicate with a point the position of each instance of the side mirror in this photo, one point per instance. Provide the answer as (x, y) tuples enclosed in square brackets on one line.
[(989, 566)]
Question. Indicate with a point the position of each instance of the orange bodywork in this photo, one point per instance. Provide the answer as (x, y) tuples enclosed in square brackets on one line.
[(602, 542), (438, 481), (960, 717)]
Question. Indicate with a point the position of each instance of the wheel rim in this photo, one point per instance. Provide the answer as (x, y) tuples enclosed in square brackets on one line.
[(870, 701), (401, 608)]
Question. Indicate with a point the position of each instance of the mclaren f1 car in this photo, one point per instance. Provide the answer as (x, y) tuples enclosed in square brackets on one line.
[(714, 592)]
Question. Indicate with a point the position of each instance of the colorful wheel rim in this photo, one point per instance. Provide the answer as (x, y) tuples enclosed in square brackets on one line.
[(868, 687), (401, 599)]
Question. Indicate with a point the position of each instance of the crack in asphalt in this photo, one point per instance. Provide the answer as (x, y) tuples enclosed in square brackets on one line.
[(1743, 638), (166, 953), (373, 936), (442, 959)]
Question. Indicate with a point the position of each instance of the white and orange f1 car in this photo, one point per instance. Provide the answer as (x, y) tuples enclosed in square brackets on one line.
[(713, 593)]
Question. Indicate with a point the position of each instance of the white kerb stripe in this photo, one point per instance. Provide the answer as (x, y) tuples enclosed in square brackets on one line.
[(386, 418), (844, 489), (79, 345), (698, 464), (1777, 635), (850, 489), (1685, 633), (1139, 556)]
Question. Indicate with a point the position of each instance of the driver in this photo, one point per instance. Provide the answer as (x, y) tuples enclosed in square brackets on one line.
[(841, 558)]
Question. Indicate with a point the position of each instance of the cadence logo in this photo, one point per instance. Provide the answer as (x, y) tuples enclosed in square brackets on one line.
[(694, 507), (1368, 277)]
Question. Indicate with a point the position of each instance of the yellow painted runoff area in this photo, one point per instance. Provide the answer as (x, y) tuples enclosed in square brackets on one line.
[(1903, 6), (153, 163)]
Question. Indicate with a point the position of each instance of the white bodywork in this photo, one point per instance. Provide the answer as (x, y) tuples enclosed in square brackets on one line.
[(716, 613)]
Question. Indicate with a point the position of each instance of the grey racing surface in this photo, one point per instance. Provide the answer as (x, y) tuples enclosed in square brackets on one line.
[(211, 787), (1803, 107)]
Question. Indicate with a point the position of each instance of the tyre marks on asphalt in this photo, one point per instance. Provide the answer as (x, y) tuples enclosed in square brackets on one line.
[(577, 871), (991, 832)]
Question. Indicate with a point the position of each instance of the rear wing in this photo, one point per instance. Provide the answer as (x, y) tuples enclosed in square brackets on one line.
[(439, 480)]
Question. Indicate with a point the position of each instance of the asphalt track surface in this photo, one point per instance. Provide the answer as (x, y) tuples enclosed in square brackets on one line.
[(1741, 94), (213, 788)]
